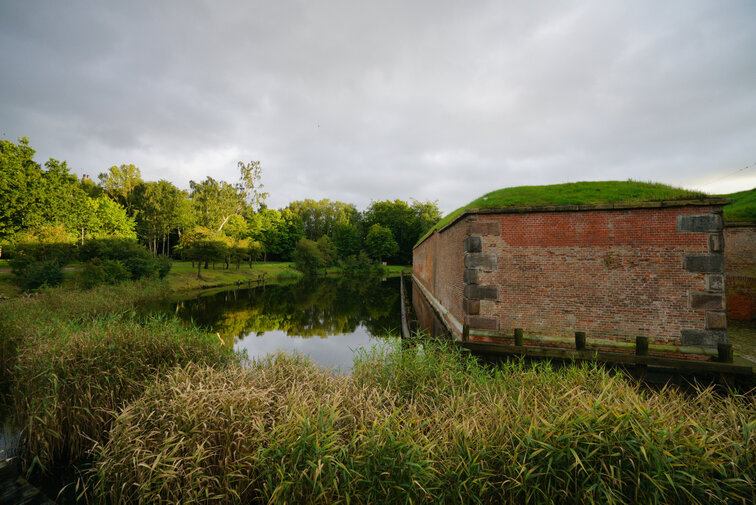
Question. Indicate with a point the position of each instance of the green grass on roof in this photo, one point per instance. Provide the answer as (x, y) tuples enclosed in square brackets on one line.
[(742, 208), (574, 193)]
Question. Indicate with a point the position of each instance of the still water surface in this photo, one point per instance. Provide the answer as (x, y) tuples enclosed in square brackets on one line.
[(326, 319)]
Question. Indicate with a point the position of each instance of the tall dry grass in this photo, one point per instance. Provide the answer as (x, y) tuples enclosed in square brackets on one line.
[(27, 316), (424, 425), (69, 385)]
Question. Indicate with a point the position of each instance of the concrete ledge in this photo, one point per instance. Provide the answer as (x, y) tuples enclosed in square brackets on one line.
[(699, 223), (703, 337), (704, 263), (481, 261), (475, 292)]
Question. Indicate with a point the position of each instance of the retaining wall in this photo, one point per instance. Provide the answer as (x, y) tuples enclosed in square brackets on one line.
[(614, 271)]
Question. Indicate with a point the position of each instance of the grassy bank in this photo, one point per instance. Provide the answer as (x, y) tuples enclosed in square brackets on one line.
[(429, 426)]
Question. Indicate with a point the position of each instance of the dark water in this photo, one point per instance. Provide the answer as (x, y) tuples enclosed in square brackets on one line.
[(326, 319)]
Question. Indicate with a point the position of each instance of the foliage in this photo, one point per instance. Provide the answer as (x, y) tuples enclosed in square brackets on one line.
[(573, 193), (320, 218), (425, 425), (120, 182), (250, 175), (159, 207), (32, 275), (327, 251), (97, 271), (135, 258), (742, 208), (380, 242), (406, 222), (279, 232), (308, 257), (215, 202), (346, 238), (202, 245)]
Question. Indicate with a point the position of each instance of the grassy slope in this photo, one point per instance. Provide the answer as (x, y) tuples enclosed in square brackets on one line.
[(574, 193), (743, 206)]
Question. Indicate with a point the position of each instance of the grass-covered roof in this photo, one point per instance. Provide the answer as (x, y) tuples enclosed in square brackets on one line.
[(742, 208), (575, 193)]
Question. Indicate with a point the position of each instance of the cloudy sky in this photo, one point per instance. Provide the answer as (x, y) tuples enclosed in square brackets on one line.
[(354, 101)]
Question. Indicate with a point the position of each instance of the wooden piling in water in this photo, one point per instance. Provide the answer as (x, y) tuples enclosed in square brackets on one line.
[(518, 332)]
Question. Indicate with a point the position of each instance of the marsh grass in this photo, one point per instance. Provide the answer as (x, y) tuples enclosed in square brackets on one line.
[(30, 316), (424, 425), (71, 383)]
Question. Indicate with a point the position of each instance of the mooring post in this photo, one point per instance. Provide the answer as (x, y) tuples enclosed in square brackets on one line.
[(580, 340), (518, 336), (465, 332), (724, 352), (641, 346), (641, 349)]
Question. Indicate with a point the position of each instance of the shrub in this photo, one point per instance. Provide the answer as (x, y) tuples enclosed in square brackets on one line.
[(163, 265), (308, 257), (35, 274)]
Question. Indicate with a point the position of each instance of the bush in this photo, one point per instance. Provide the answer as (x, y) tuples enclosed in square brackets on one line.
[(163, 265), (138, 260), (308, 257), (32, 274), (97, 271)]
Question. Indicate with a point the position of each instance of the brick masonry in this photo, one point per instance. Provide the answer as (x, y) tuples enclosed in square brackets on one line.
[(616, 274), (740, 268)]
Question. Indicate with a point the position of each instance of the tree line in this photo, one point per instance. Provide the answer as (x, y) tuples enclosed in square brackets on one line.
[(214, 220)]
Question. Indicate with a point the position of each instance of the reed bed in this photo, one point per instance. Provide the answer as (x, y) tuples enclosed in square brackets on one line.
[(424, 425), (70, 382), (27, 316)]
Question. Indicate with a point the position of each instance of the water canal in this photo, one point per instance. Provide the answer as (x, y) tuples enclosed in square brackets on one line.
[(327, 319)]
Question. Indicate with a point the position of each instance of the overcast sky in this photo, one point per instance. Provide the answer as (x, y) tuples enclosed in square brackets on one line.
[(355, 101)]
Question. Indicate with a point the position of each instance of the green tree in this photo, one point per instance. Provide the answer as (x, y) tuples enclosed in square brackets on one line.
[(202, 245), (120, 182), (20, 188), (406, 222), (215, 202), (380, 242), (250, 175), (346, 238), (307, 256), (159, 209), (321, 217), (327, 251)]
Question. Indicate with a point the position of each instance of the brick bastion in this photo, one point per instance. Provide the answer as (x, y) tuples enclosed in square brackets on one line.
[(740, 270), (614, 271)]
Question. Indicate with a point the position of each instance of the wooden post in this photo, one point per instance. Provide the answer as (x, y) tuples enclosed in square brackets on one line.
[(725, 353), (580, 340), (465, 332), (641, 349), (518, 336), (641, 346)]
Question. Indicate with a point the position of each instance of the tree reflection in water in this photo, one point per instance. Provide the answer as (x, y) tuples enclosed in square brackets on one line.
[(345, 312)]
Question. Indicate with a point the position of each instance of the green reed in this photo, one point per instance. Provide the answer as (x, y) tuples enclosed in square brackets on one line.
[(424, 425)]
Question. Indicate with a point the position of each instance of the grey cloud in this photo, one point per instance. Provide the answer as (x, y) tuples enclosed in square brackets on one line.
[(360, 100)]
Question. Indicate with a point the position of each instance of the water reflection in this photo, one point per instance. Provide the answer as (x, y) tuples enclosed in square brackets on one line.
[(325, 318)]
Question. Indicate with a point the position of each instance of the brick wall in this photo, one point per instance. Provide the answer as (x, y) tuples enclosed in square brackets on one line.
[(740, 268), (615, 274)]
